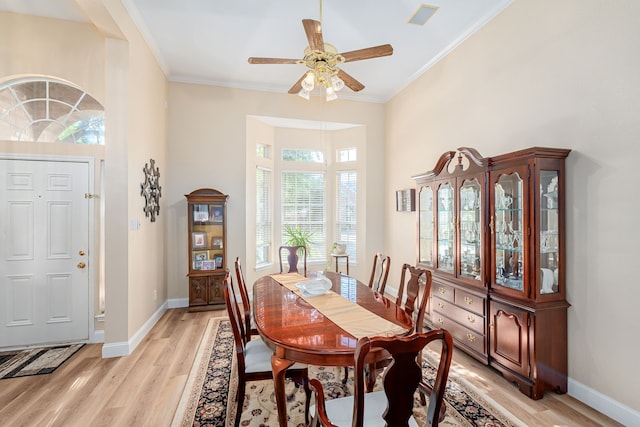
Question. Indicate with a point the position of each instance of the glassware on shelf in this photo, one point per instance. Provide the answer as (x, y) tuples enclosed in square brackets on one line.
[(426, 226), (506, 201)]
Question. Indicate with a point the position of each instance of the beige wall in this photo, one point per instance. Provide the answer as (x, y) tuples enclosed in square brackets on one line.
[(67, 50), (558, 74), (207, 148), (146, 139)]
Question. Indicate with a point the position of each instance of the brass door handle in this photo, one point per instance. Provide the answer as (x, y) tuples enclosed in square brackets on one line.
[(81, 265)]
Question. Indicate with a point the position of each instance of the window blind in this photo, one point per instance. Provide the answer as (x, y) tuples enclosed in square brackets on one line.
[(303, 207), (263, 216), (346, 210)]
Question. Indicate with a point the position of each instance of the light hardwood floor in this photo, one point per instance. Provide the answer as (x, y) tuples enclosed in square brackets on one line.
[(143, 389)]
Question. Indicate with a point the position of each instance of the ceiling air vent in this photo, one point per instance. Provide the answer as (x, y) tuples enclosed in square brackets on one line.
[(422, 14)]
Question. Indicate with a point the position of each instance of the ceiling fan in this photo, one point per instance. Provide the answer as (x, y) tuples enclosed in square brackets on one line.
[(323, 60)]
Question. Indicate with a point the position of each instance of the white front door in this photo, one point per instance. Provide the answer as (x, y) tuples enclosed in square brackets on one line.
[(44, 229)]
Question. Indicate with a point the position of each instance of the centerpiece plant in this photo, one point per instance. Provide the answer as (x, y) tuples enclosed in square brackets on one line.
[(296, 236)]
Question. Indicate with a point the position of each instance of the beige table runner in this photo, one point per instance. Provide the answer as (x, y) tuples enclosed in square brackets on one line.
[(354, 319)]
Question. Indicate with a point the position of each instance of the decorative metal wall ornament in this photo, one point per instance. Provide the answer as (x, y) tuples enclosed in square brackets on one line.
[(150, 189)]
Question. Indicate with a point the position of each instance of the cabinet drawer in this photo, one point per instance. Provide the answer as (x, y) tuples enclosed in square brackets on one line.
[(470, 302), (467, 337), (443, 292), (465, 318)]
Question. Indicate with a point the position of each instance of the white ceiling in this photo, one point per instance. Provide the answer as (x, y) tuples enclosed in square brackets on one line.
[(209, 41)]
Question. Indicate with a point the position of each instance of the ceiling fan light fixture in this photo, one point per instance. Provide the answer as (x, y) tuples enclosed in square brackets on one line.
[(309, 82), (323, 61), (337, 83), (304, 94), (331, 94)]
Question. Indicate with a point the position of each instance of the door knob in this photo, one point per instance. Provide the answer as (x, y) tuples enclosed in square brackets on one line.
[(81, 265)]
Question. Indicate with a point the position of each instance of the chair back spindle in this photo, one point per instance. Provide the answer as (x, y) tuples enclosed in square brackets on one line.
[(379, 272)]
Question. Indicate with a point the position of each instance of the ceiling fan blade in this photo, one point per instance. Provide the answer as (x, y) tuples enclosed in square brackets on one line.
[(297, 87), (349, 81), (313, 29), (368, 53), (253, 60)]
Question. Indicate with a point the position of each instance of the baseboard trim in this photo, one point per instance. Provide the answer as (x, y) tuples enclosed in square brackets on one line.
[(178, 303), (125, 348), (98, 337), (603, 403)]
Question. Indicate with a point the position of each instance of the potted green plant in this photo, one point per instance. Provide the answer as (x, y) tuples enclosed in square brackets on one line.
[(297, 236)]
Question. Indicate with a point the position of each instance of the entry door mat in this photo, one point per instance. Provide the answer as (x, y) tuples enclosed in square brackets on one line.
[(35, 361)]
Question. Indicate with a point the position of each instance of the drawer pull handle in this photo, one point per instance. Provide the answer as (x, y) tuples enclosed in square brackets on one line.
[(441, 305), (471, 337), (468, 300), (440, 320), (442, 290), (471, 319)]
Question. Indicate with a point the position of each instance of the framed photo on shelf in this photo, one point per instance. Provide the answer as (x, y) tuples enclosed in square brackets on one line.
[(198, 257), (216, 243), (198, 239), (216, 213), (218, 260), (208, 265), (200, 213), (201, 256)]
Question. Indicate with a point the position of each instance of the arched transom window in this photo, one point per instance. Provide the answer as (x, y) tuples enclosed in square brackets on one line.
[(49, 110)]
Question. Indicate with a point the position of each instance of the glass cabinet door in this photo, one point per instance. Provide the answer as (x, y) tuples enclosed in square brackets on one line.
[(508, 231), (445, 226), (207, 236), (470, 229), (549, 236), (425, 256)]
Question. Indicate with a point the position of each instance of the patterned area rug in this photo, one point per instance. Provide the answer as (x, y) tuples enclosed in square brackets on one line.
[(212, 380), (35, 361)]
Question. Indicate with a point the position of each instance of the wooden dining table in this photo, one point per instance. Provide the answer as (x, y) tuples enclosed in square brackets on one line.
[(298, 328)]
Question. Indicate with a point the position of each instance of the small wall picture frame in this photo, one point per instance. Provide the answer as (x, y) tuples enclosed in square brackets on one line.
[(218, 260), (406, 200), (216, 243), (200, 213), (198, 239), (216, 214), (208, 265)]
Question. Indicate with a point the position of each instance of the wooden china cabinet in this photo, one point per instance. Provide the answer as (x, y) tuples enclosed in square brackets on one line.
[(451, 209), (491, 230), (207, 234)]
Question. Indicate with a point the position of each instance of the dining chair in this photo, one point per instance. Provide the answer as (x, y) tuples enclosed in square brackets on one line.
[(254, 357), (418, 290), (379, 272), (249, 323), (292, 253), (394, 404)]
